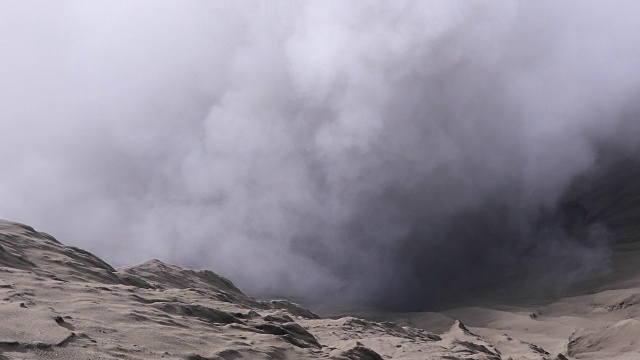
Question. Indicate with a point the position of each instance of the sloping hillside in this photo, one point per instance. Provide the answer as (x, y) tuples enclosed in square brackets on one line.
[(59, 302)]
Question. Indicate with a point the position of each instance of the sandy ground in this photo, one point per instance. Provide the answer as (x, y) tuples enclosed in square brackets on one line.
[(601, 323), (59, 302)]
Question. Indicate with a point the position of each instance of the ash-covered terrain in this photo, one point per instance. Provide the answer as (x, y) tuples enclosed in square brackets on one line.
[(60, 302)]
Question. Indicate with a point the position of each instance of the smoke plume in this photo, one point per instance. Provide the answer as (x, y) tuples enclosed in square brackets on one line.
[(385, 153)]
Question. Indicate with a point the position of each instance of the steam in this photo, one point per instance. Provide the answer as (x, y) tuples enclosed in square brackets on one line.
[(388, 152)]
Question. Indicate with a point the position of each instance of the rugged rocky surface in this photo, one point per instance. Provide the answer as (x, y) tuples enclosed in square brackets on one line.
[(60, 302)]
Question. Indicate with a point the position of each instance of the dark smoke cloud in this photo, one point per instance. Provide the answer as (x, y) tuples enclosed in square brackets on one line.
[(392, 153)]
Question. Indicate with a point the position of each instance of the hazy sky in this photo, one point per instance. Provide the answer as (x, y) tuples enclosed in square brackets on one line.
[(383, 149)]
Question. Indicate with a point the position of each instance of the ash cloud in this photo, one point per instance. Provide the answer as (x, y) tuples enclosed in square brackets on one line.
[(390, 153)]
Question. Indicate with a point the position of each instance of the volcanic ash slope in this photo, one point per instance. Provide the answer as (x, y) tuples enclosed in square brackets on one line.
[(60, 302)]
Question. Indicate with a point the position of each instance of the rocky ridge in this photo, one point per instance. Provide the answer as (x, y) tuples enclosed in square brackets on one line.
[(62, 302)]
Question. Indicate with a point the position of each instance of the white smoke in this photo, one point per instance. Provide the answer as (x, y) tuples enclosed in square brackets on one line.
[(303, 147)]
